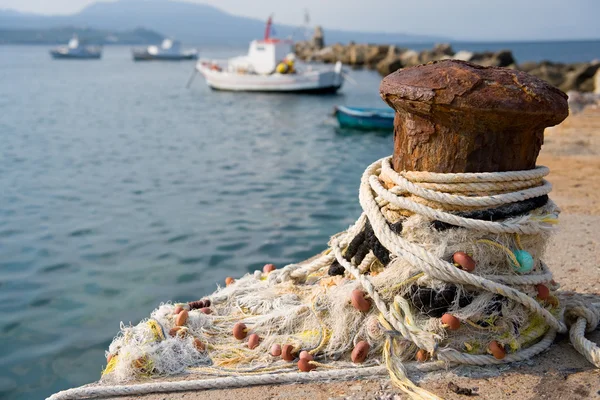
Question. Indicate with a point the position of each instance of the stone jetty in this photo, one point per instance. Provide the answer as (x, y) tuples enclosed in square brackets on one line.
[(388, 58)]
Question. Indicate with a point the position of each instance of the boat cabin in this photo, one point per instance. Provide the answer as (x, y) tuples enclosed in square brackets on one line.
[(167, 46), (74, 42), (263, 56)]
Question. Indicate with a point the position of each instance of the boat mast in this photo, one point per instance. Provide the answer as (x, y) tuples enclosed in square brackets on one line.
[(268, 28)]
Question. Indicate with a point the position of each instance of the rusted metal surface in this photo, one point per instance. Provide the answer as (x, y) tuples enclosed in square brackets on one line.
[(453, 116)]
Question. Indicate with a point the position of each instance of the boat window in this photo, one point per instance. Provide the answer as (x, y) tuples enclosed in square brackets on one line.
[(259, 48)]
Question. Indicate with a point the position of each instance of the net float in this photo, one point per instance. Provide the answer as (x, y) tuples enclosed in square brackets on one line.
[(305, 355), (182, 318), (206, 310), (497, 350), (359, 302), (525, 260), (229, 280), (463, 261), (173, 331), (194, 305), (198, 344), (451, 322), (543, 291), (253, 341), (178, 308), (240, 331), (553, 301), (287, 352), (276, 350), (422, 355), (269, 268), (360, 352), (304, 365)]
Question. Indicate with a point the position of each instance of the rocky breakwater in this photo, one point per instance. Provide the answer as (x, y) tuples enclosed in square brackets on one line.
[(389, 58)]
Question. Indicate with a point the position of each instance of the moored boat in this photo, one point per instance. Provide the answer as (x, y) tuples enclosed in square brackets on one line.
[(270, 66), (365, 118), (75, 50), (169, 50)]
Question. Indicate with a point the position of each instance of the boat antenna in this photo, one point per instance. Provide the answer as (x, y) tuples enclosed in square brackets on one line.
[(306, 24)]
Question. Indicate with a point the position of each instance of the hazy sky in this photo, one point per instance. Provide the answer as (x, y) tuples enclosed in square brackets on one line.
[(459, 19)]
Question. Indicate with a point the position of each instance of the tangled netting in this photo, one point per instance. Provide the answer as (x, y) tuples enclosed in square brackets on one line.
[(443, 268)]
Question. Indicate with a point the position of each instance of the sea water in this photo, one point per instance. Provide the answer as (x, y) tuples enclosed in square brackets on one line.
[(121, 189)]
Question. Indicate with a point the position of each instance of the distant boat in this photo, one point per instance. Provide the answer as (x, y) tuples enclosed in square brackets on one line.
[(270, 66), (75, 50), (169, 50), (365, 118)]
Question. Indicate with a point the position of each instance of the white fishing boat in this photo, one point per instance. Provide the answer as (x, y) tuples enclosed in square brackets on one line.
[(75, 50), (169, 50), (270, 66)]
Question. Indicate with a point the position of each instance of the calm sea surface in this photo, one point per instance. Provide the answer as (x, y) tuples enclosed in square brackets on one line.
[(120, 189)]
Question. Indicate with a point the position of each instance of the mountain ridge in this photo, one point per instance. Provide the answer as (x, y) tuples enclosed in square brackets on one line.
[(192, 23)]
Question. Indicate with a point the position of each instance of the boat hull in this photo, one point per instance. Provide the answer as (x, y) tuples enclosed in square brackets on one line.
[(163, 58), (316, 82), (144, 56), (320, 90), (365, 119), (75, 56)]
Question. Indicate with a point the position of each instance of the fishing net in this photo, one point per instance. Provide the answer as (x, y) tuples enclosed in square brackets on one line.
[(439, 268)]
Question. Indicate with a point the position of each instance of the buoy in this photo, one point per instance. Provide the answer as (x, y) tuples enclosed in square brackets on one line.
[(194, 305), (287, 352), (178, 308), (140, 362), (359, 302), (463, 261), (553, 301), (304, 365), (253, 341), (173, 331), (305, 355), (240, 331), (497, 350), (360, 352), (451, 322), (229, 280), (269, 268), (198, 344), (543, 292), (422, 355), (182, 318), (276, 350), (525, 261)]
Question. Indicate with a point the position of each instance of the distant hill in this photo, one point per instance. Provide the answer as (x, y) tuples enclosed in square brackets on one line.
[(86, 35), (190, 22)]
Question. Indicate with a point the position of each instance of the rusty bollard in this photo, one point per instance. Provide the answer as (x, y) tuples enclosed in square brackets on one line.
[(454, 116)]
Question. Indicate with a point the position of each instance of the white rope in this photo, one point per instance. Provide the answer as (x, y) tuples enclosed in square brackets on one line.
[(436, 177), (373, 196), (100, 391), (444, 271), (406, 186)]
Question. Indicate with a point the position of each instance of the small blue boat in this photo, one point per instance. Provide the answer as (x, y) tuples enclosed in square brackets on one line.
[(365, 118)]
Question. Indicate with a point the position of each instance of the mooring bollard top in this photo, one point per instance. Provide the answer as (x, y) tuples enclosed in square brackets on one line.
[(454, 116), (464, 86)]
